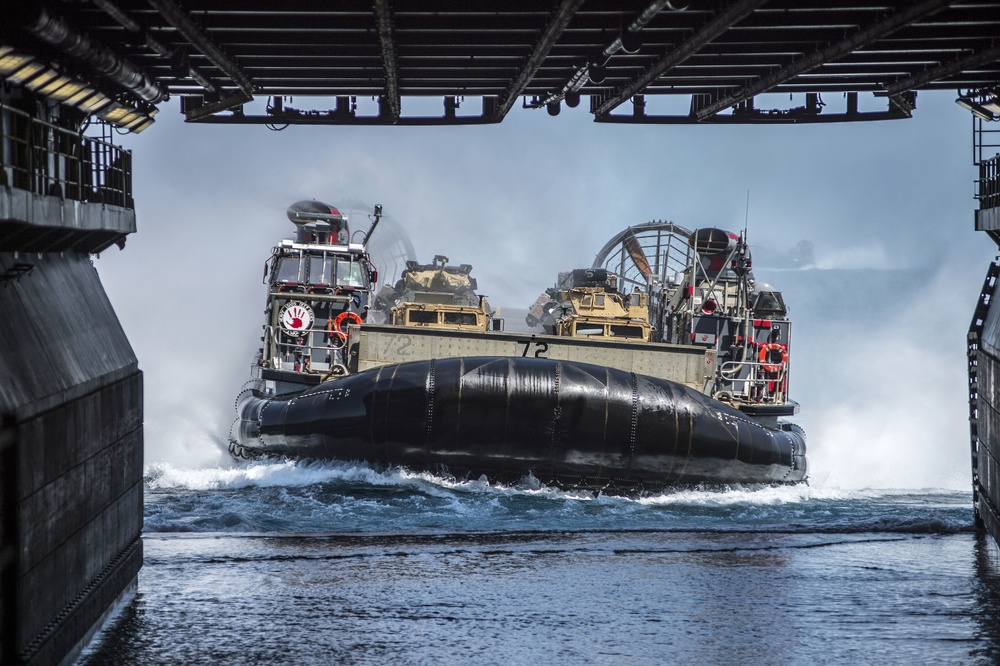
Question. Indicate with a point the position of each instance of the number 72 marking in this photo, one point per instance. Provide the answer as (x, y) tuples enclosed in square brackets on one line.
[(541, 348)]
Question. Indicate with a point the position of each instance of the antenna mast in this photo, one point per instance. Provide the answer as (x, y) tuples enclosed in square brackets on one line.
[(746, 220), (378, 216)]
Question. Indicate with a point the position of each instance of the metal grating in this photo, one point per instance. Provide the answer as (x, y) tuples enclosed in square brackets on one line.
[(486, 57)]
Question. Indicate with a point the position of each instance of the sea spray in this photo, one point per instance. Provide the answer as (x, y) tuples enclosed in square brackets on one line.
[(274, 495)]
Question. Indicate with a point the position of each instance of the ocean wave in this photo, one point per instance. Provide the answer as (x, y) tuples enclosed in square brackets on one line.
[(767, 495), (266, 473), (281, 496), (270, 472), (263, 473)]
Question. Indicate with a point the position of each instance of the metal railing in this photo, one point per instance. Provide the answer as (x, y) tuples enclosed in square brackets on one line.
[(46, 159), (988, 184), (985, 138), (761, 385), (300, 357)]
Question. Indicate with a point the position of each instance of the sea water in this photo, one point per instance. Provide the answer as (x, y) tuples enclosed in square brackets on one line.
[(277, 561)]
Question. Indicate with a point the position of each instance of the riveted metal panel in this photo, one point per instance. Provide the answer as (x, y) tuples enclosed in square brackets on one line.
[(385, 345)]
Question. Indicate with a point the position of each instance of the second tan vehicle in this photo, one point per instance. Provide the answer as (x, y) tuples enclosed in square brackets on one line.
[(585, 303), (435, 295)]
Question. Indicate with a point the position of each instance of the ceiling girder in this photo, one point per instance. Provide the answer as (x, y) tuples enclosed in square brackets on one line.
[(944, 70), (856, 40), (383, 18), (215, 55), (155, 45), (176, 17), (582, 75), (560, 20), (715, 27)]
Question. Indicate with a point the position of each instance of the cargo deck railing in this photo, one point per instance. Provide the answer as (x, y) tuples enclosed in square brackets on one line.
[(760, 386), (293, 356), (988, 183), (49, 160)]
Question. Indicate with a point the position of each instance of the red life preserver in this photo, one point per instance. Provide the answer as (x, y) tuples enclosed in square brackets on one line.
[(765, 356), (346, 314)]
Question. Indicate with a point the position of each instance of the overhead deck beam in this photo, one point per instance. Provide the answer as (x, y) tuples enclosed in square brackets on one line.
[(944, 70), (704, 36), (857, 40), (383, 17), (215, 55), (133, 26), (583, 74), (176, 17), (57, 31), (560, 20)]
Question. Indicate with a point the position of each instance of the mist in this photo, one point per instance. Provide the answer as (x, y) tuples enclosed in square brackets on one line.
[(879, 321)]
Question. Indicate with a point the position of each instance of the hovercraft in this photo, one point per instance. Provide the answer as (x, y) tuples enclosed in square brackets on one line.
[(638, 373)]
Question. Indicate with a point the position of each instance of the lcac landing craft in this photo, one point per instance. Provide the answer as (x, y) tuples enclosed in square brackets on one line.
[(664, 364)]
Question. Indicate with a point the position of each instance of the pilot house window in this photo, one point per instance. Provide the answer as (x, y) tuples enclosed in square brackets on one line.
[(288, 269), (770, 303), (320, 269), (349, 273)]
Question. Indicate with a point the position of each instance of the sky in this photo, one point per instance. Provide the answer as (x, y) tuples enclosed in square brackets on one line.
[(879, 324)]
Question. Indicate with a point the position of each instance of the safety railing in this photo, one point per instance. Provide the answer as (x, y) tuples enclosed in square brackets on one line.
[(298, 356), (764, 383), (988, 184), (46, 159), (985, 138)]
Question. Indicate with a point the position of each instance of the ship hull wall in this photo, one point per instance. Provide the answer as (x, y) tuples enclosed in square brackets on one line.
[(71, 399), (986, 426)]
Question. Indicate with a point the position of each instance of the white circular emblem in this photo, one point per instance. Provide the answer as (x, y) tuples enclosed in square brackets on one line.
[(296, 318)]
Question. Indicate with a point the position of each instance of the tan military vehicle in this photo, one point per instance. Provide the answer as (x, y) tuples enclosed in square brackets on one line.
[(585, 303), (435, 295)]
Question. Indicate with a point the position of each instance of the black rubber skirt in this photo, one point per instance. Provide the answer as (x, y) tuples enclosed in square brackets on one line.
[(567, 424)]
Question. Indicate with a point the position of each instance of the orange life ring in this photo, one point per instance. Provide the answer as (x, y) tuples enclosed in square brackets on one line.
[(346, 314), (765, 356)]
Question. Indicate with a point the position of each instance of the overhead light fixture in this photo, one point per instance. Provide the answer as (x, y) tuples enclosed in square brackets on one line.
[(992, 102), (140, 125), (42, 78), (24, 70), (116, 114), (27, 71), (94, 103), (68, 90), (77, 98), (11, 61), (977, 109), (53, 86), (127, 117)]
